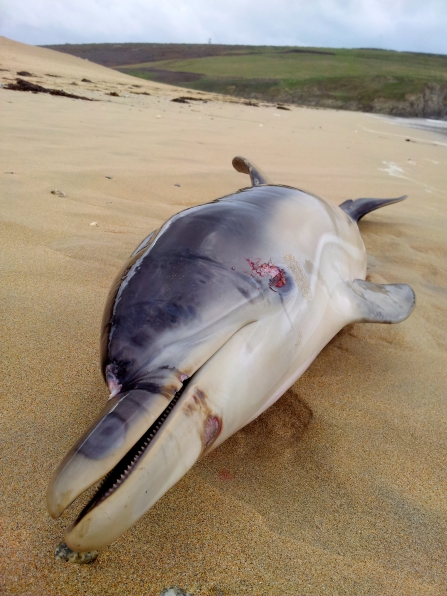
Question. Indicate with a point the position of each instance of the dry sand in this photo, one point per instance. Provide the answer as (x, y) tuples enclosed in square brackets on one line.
[(336, 489)]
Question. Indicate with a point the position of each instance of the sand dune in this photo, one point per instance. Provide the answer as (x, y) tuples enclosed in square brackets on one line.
[(339, 488)]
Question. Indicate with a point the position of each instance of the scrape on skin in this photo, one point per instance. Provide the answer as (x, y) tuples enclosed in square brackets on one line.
[(212, 423), (213, 426), (299, 275), (112, 382)]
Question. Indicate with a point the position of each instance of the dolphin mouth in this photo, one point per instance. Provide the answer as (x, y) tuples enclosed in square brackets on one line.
[(144, 440), (113, 447), (128, 463)]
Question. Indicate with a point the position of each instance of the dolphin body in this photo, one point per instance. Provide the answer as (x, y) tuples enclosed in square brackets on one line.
[(213, 318)]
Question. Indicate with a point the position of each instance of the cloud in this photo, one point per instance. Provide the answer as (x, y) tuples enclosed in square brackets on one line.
[(409, 25)]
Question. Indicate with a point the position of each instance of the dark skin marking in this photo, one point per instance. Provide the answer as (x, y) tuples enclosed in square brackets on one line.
[(109, 436), (113, 428), (212, 425), (308, 265), (167, 391)]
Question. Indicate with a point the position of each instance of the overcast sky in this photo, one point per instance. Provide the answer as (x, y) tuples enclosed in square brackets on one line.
[(411, 25)]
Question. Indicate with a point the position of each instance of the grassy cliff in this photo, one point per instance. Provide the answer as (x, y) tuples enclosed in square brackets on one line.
[(399, 83)]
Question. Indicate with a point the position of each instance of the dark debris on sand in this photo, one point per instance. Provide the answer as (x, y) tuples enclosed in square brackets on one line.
[(22, 85), (187, 99)]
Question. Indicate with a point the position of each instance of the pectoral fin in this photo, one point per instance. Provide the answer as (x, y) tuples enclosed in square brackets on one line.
[(381, 303)]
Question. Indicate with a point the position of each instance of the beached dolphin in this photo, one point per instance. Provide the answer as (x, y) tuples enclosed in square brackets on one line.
[(213, 318)]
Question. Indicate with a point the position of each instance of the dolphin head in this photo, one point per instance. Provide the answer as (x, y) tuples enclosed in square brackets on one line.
[(176, 320)]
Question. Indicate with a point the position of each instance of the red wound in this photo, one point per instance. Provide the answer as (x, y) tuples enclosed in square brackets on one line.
[(276, 275)]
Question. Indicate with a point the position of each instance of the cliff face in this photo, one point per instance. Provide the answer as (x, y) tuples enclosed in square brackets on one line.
[(431, 102)]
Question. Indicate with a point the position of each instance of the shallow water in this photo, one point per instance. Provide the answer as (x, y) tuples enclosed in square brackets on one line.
[(428, 124)]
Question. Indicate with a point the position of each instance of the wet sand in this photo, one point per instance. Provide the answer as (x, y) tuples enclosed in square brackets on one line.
[(339, 488)]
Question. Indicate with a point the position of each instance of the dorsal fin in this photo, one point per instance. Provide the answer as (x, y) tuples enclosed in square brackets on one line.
[(240, 164), (360, 207)]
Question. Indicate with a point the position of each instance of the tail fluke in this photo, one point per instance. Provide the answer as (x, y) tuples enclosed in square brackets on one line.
[(360, 207)]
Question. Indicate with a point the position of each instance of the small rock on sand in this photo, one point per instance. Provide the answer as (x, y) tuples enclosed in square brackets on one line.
[(174, 591), (58, 192), (63, 552)]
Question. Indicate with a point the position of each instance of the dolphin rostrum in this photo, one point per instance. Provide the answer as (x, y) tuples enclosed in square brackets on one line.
[(213, 318)]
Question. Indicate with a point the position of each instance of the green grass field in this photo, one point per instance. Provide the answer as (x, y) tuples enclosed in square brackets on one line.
[(284, 64)]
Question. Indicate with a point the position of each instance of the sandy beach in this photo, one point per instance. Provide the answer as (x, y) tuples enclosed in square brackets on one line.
[(337, 489)]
